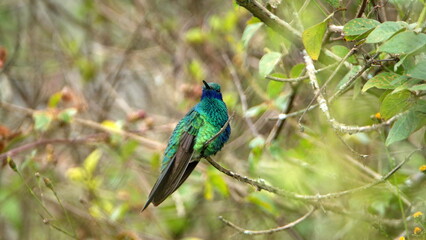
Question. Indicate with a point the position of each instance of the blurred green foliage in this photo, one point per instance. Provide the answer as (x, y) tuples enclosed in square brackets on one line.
[(101, 85)]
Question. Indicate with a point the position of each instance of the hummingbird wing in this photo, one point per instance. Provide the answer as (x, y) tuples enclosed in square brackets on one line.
[(180, 166)]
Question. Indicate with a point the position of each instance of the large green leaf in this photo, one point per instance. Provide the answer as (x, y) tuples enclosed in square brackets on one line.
[(249, 32), (396, 103), (384, 80), (384, 31), (357, 28), (408, 123), (404, 43), (418, 70), (268, 62), (312, 39)]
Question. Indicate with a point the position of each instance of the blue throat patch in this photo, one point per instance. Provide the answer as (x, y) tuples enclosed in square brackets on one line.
[(211, 93)]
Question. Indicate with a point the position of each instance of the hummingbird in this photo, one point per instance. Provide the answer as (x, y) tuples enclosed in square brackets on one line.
[(186, 145)]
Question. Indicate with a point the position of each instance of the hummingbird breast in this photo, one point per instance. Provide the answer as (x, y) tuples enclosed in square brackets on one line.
[(214, 114)]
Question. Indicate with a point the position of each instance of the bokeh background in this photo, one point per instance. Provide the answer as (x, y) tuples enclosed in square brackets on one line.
[(106, 82)]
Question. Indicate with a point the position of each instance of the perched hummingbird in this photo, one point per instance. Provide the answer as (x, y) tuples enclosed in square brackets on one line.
[(186, 144)]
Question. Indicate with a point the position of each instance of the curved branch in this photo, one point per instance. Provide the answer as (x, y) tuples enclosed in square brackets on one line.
[(260, 185), (267, 231), (29, 146), (270, 19)]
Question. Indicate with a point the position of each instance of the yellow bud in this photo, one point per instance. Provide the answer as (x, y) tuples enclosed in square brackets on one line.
[(417, 230), (417, 214)]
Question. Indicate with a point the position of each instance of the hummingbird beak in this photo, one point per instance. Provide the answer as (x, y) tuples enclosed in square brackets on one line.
[(206, 84)]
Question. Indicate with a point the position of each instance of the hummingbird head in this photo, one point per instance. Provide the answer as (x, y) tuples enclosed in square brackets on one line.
[(211, 90)]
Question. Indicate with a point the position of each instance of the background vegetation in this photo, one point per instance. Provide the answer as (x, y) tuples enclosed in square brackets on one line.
[(91, 90)]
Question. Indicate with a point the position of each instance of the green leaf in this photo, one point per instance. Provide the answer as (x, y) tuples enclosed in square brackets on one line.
[(76, 174), (333, 3), (195, 35), (257, 142), (406, 84), (256, 110), (67, 114), (342, 51), (384, 31), (128, 148), (396, 103), (196, 70), (208, 190), (55, 99), (91, 161), (407, 124), (312, 39), (249, 32), (418, 70), (404, 43), (383, 80), (420, 87), (297, 70), (263, 200), (267, 63), (274, 88), (357, 28), (217, 181), (42, 120)]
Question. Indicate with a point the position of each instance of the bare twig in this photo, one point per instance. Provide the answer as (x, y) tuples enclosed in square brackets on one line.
[(269, 18), (32, 145), (341, 90), (362, 8), (297, 79), (243, 97), (260, 185), (267, 231), (322, 102), (145, 141), (328, 80)]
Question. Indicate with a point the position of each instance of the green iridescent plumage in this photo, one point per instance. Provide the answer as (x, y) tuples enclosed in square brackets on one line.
[(186, 144)]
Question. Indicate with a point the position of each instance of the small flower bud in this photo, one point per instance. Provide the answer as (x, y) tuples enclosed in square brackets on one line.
[(12, 164), (417, 230), (48, 183)]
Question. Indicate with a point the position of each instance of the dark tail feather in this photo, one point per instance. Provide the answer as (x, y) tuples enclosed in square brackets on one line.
[(177, 171)]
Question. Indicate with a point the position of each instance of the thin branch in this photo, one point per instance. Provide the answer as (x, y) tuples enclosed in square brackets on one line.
[(341, 90), (270, 19), (279, 25), (29, 146), (297, 79), (144, 141), (335, 28), (328, 80), (362, 8), (243, 97), (260, 185), (278, 79), (322, 102), (267, 231)]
